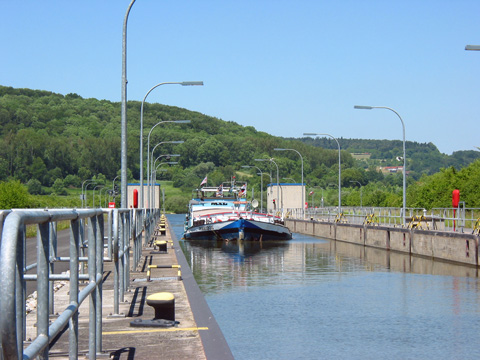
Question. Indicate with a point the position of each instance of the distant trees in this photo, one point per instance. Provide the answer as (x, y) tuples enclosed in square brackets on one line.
[(51, 140)]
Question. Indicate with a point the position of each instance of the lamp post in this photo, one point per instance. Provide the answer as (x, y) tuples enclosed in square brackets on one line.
[(148, 174), (278, 182), (154, 177), (168, 156), (261, 184), (339, 169), (358, 182), (182, 83), (83, 195), (86, 186), (113, 187), (148, 142), (124, 198), (404, 209), (303, 190), (93, 197)]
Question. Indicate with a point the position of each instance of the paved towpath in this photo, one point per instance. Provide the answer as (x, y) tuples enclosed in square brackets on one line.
[(197, 336)]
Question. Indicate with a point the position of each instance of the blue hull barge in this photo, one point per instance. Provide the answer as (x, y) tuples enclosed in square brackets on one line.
[(224, 214)]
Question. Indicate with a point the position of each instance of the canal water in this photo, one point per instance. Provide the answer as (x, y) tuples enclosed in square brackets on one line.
[(309, 298)]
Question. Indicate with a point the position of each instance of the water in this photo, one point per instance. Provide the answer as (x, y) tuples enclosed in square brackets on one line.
[(309, 299)]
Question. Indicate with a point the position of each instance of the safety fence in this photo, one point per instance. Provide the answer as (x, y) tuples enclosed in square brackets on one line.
[(91, 243), (459, 219)]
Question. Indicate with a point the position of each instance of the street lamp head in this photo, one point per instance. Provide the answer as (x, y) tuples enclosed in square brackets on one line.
[(310, 134), (175, 142), (191, 83), (363, 107), (279, 149), (246, 166), (472, 47), (182, 121), (261, 159)]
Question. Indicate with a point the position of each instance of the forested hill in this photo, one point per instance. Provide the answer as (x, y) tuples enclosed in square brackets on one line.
[(422, 158), (46, 136)]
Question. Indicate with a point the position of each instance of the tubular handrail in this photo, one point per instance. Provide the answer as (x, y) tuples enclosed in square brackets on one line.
[(123, 233)]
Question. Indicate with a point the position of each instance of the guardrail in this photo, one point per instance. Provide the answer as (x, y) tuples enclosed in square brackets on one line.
[(124, 231), (458, 220)]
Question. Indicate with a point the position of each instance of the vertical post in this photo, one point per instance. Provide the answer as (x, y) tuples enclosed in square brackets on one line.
[(53, 253), (99, 274), (124, 197), (116, 237), (92, 348), (74, 254), (42, 283)]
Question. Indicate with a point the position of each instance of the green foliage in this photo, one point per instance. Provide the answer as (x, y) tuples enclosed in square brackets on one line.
[(72, 181), (436, 190), (176, 204), (51, 138), (34, 187), (58, 187), (13, 195)]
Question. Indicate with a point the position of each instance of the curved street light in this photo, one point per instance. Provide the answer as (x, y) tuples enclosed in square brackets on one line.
[(404, 209), (278, 183), (182, 83), (83, 195), (152, 162), (148, 145), (303, 189), (154, 171), (339, 169), (261, 184)]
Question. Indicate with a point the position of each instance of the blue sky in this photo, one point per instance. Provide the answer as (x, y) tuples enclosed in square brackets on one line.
[(283, 67)]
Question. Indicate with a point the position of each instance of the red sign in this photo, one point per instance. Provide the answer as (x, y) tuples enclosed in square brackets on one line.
[(111, 205)]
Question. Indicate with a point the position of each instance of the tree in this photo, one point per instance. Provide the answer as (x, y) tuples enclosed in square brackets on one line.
[(59, 188), (72, 180), (34, 187)]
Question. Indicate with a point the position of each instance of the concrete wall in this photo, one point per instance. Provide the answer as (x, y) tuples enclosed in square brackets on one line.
[(443, 245)]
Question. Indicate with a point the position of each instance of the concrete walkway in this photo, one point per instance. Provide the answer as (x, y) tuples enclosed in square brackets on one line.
[(196, 336)]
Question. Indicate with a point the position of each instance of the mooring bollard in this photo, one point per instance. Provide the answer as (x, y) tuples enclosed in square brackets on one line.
[(164, 305)]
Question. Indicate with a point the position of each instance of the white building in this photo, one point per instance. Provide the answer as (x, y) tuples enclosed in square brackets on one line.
[(286, 196), (146, 202)]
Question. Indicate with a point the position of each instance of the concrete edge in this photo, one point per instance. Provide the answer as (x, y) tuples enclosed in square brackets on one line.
[(214, 343)]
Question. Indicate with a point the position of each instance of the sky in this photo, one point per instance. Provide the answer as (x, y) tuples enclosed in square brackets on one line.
[(283, 67)]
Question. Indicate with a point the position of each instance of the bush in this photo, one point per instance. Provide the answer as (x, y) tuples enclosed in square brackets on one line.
[(13, 195), (59, 187), (176, 204), (34, 187)]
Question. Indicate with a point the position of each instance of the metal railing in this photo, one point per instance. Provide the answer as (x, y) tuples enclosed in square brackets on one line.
[(123, 236), (460, 219)]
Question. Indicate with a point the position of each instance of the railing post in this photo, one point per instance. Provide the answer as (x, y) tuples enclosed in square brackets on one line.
[(92, 278), (116, 237), (99, 275), (75, 226), (121, 258), (42, 284), (53, 254)]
